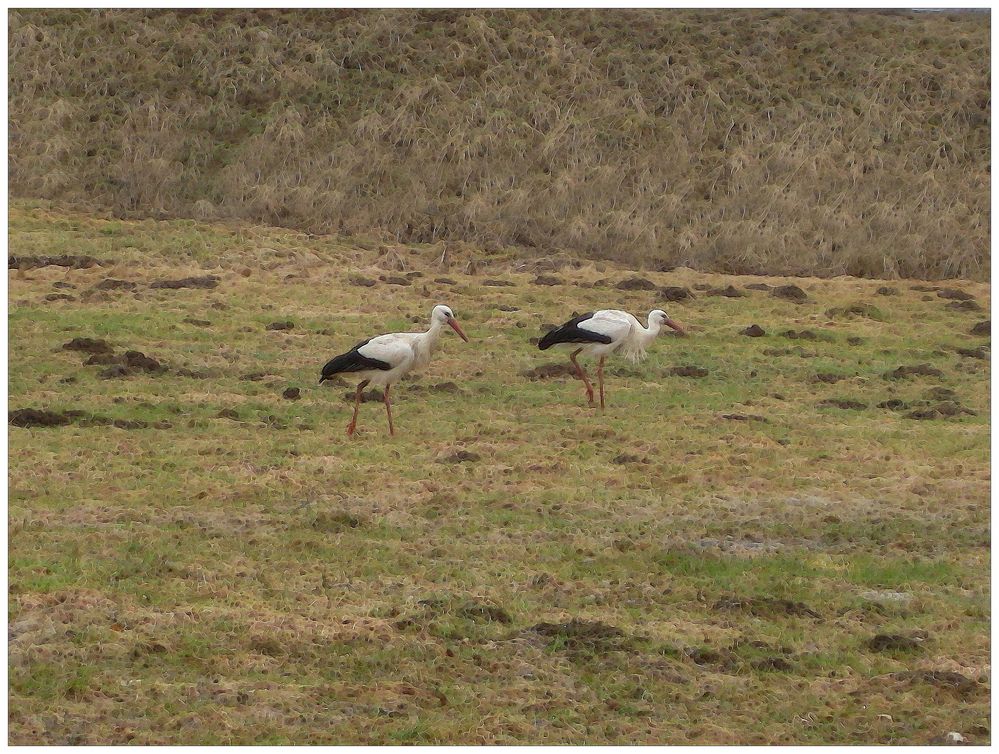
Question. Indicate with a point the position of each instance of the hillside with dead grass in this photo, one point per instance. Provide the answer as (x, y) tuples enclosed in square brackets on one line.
[(790, 142)]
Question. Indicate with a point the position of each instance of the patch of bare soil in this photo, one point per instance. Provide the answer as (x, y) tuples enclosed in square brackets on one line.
[(636, 284), (916, 370), (675, 293), (206, 281), (844, 403), (728, 292), (943, 410), (496, 283), (765, 607), (583, 635), (858, 309), (955, 294), (395, 280), (759, 287), (982, 328), (625, 458), (197, 322), (59, 297), (982, 352), (32, 417), (337, 521), (549, 372), (942, 679), (753, 331), (885, 290), (893, 643), (292, 394), (362, 281), (462, 456), (72, 261), (789, 293), (88, 345), (112, 284), (286, 325), (828, 377), (746, 418), (894, 404), (964, 306), (799, 335), (687, 371), (548, 280)]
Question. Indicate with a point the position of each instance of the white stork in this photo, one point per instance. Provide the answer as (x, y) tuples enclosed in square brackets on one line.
[(384, 360), (604, 332)]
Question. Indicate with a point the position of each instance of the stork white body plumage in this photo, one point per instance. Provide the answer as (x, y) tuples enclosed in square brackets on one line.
[(601, 333), (384, 360)]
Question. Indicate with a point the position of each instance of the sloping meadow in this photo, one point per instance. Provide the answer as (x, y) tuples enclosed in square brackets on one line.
[(765, 142)]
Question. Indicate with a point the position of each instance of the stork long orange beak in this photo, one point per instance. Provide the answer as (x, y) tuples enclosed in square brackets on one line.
[(457, 328), (676, 326)]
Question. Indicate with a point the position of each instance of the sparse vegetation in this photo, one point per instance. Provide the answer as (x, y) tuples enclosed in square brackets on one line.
[(766, 142), (735, 552)]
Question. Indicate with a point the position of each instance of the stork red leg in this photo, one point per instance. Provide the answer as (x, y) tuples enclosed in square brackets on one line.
[(582, 375), (357, 403), (388, 409), (600, 379)]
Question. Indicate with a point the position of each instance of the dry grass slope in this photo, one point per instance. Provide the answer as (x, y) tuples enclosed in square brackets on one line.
[(808, 142)]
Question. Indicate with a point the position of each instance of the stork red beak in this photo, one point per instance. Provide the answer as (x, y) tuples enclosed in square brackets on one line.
[(454, 326), (676, 326)]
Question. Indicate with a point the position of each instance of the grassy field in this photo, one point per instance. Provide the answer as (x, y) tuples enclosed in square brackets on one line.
[(723, 558)]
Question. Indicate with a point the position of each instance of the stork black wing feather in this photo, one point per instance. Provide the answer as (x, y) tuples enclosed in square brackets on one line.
[(571, 332), (352, 361)]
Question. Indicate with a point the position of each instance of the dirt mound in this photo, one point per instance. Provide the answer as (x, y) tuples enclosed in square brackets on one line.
[(943, 679), (687, 371), (88, 345), (828, 378), (892, 643), (982, 352), (636, 284), (943, 410), (746, 418), (675, 293), (799, 335), (206, 281), (368, 396), (964, 306), (291, 394), (112, 284), (955, 294), (790, 293), (35, 417), (844, 403), (859, 309), (753, 331), (764, 607), (982, 328), (548, 280), (916, 370), (885, 290), (583, 635), (495, 283), (729, 292), (462, 456), (287, 325), (72, 261), (363, 282)]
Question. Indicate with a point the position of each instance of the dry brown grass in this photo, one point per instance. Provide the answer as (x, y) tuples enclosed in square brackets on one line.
[(802, 142)]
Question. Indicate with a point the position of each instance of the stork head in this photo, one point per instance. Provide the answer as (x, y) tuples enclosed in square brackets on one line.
[(661, 319), (442, 315)]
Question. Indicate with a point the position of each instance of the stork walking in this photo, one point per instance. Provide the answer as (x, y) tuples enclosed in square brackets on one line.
[(599, 334), (384, 360)]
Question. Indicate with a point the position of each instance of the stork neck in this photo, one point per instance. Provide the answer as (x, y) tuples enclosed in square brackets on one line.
[(650, 332)]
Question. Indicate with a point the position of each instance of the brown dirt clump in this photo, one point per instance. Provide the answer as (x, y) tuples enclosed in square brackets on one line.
[(636, 284), (548, 280), (753, 331), (763, 607), (35, 417), (982, 328), (943, 679), (799, 335), (790, 293), (675, 293), (916, 370), (943, 410), (72, 261), (88, 345), (583, 635), (206, 281), (687, 371), (362, 281), (728, 292), (112, 284), (292, 394), (982, 352), (964, 306), (287, 325), (955, 294), (462, 456), (892, 643), (844, 403)]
